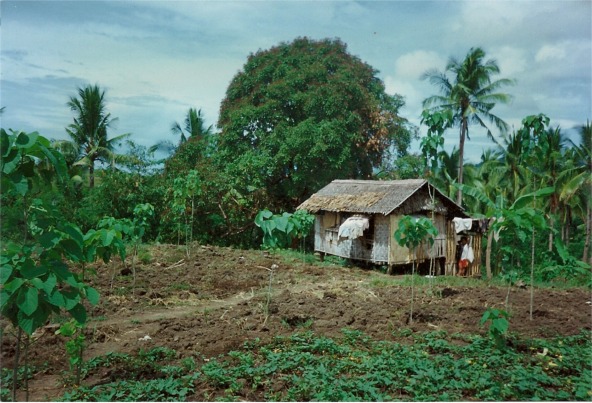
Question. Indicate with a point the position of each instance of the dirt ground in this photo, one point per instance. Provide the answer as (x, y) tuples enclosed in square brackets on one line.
[(213, 301)]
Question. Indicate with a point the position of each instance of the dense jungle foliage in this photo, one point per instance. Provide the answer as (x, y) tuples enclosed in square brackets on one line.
[(300, 115)]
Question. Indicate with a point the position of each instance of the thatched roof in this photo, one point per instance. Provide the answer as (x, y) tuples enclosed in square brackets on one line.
[(377, 197)]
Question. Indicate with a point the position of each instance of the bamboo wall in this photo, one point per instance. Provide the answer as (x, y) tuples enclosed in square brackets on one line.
[(383, 248), (474, 269)]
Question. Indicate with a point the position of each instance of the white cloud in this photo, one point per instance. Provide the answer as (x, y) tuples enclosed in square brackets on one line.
[(550, 53), (510, 60), (413, 65)]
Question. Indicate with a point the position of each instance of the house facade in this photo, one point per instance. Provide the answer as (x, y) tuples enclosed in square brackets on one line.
[(356, 219)]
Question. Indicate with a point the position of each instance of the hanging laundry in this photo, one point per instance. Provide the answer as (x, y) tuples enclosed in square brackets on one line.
[(462, 224), (353, 227)]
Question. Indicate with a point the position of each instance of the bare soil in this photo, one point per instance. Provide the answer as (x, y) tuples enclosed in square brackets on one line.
[(217, 298)]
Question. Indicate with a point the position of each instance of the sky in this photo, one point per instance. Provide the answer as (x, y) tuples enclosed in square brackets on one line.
[(157, 59)]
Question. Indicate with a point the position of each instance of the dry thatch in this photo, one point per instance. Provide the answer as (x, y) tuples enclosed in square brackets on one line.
[(376, 197)]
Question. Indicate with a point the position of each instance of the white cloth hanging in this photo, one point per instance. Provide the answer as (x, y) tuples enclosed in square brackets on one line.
[(462, 224), (467, 253), (353, 227)]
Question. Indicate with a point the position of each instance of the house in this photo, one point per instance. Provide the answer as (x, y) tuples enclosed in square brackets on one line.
[(356, 219)]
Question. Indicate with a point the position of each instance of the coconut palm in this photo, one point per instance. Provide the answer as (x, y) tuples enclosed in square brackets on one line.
[(575, 191), (89, 129), (551, 162), (470, 94), (194, 127)]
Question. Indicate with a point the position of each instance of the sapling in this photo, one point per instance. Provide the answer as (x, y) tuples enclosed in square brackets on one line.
[(35, 278), (74, 346), (498, 325), (411, 233)]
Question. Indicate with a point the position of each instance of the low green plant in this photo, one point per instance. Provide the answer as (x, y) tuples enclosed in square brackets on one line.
[(280, 229), (498, 325), (75, 344), (356, 367)]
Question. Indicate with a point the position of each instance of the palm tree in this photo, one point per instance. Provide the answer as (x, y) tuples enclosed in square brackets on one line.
[(89, 129), (194, 127), (576, 188), (470, 96), (551, 163)]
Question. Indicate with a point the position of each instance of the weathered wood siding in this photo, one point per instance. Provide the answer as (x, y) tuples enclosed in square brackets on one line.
[(384, 249), (402, 255), (382, 234), (373, 248)]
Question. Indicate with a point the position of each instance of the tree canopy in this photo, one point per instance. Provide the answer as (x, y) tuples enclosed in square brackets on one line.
[(470, 96), (89, 129), (303, 113)]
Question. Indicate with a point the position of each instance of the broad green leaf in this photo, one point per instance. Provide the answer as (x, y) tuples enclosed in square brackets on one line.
[(57, 160), (90, 235), (289, 227), (91, 253), (27, 167), (5, 273), (28, 300), (14, 285), (281, 223), (74, 233), (29, 270), (5, 297), (37, 283), (57, 299), (105, 254), (5, 143), (268, 227), (50, 239), (527, 199), (107, 236), (500, 324), (92, 295), (50, 284), (261, 216), (72, 250), (26, 140), (64, 274), (30, 323), (27, 323), (20, 182), (79, 313), (11, 161)]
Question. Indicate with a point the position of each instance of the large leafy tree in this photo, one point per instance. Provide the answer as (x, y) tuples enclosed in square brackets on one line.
[(468, 90), (89, 129), (303, 113)]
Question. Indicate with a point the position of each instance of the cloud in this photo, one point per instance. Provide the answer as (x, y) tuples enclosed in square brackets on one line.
[(511, 60), (413, 65), (549, 53)]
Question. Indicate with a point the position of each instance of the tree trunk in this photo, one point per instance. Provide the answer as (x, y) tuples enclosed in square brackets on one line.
[(461, 152), (551, 227), (532, 274), (91, 175), (488, 255), (588, 228)]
